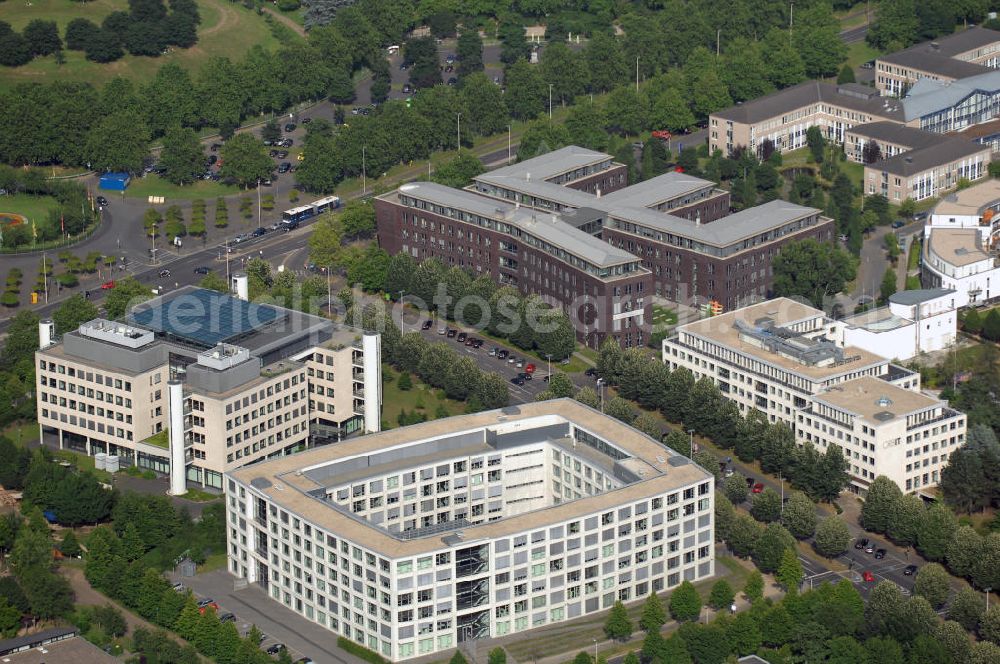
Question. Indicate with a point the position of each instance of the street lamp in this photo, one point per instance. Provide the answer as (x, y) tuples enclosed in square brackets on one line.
[(691, 443), (550, 102), (458, 133), (600, 388), (595, 650), (548, 356), (508, 143)]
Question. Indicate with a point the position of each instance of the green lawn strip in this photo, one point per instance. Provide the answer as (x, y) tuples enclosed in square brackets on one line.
[(21, 433), (212, 563), (860, 52), (227, 29), (154, 185), (395, 400), (161, 439), (913, 257), (663, 316), (82, 463)]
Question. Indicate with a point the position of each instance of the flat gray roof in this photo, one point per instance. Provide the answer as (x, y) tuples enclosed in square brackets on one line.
[(551, 164), (919, 295), (722, 232), (546, 226), (855, 98), (654, 191)]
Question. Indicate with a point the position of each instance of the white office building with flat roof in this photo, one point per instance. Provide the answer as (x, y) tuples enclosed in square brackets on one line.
[(414, 540), (797, 366)]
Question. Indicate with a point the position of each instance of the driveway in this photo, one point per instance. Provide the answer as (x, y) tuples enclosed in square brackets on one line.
[(252, 606)]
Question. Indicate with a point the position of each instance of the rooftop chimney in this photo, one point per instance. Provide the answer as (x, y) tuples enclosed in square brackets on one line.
[(46, 330)]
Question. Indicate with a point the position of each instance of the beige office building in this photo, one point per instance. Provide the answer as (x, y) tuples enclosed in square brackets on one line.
[(961, 55), (196, 382)]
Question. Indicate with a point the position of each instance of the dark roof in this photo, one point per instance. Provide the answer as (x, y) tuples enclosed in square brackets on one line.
[(8, 646), (893, 132), (990, 128), (938, 56), (854, 97), (912, 297), (204, 317), (918, 161)]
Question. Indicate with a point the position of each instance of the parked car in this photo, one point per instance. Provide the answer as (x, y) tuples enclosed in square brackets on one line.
[(757, 488), (281, 154), (879, 554), (427, 324), (107, 285), (442, 330), (502, 354), (861, 543), (517, 380), (478, 343), (102, 201), (590, 373), (407, 89), (899, 223), (284, 167), (205, 601), (257, 232), (164, 274), (290, 127), (909, 570), (462, 336), (870, 548), (493, 351), (868, 577), (227, 617), (303, 660), (275, 649), (306, 120), (215, 147), (179, 587), (451, 333)]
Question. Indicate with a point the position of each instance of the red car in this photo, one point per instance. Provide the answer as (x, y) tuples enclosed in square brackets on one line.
[(758, 487), (210, 604), (529, 368), (868, 577), (108, 285)]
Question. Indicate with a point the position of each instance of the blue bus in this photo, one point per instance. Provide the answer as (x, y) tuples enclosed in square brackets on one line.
[(291, 218)]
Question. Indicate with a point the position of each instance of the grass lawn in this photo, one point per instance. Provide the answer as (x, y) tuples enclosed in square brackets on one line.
[(422, 398), (154, 185), (859, 53), (227, 29), (35, 208), (82, 462), (663, 316), (213, 562), (21, 433)]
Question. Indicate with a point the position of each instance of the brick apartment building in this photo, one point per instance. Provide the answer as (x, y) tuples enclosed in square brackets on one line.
[(565, 226)]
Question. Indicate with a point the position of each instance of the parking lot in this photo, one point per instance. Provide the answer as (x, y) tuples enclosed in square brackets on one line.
[(519, 393), (251, 606), (860, 565)]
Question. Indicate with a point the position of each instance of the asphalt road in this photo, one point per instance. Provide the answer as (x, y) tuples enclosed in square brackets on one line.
[(854, 35)]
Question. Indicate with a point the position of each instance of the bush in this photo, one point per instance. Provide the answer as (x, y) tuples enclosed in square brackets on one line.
[(360, 651), (67, 279)]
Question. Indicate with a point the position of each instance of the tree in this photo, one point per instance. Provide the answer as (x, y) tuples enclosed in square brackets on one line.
[(492, 391), (811, 269), (871, 152), (43, 36), (846, 75), (670, 111), (935, 531), (754, 588), (984, 652), (735, 488), (832, 536), (526, 91), (514, 45), (817, 38), (470, 53), (127, 293), (895, 25), (79, 32), (770, 546), (883, 493), (182, 157), (967, 608), (816, 143), (905, 516), (618, 626), (605, 62), (972, 323), (744, 71), (766, 505), (564, 71), (933, 584), (991, 325), (789, 572), (72, 313), (799, 516), (485, 104), (69, 546), (118, 142), (888, 285), (784, 64), (647, 423), (722, 595), (743, 535), (49, 593), (497, 656), (989, 626), (653, 615), (245, 160), (458, 658), (685, 603), (457, 172)]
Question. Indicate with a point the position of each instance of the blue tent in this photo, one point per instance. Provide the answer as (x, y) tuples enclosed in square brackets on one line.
[(115, 181)]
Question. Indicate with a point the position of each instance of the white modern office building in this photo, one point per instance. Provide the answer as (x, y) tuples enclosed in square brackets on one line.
[(414, 540), (960, 244), (913, 322), (790, 361)]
